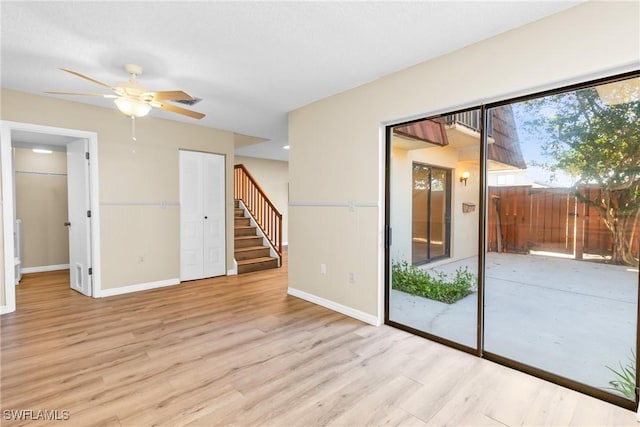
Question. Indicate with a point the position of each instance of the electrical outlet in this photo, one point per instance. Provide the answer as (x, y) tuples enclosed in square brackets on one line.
[(352, 277), (323, 268)]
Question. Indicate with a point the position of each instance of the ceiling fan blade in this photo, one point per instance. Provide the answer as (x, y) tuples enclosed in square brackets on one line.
[(58, 92), (179, 110), (170, 95), (82, 76)]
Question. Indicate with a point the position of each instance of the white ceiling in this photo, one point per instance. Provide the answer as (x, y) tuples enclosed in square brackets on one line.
[(251, 62)]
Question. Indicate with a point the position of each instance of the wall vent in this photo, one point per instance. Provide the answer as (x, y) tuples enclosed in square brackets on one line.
[(193, 101)]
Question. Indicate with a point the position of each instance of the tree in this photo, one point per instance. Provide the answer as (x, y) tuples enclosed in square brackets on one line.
[(598, 143)]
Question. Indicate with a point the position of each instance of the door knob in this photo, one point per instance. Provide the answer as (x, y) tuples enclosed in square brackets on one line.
[(67, 224)]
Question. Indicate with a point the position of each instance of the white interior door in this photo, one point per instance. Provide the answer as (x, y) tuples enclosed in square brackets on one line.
[(191, 216), (79, 220), (214, 246), (202, 215)]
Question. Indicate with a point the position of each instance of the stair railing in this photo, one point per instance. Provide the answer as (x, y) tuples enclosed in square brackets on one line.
[(263, 211)]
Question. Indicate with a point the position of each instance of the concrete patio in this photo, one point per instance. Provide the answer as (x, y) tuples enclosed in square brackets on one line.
[(568, 317)]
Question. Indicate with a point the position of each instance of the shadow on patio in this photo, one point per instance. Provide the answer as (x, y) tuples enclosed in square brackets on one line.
[(571, 318)]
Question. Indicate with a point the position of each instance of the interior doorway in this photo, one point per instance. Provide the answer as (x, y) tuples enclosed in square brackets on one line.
[(82, 219)]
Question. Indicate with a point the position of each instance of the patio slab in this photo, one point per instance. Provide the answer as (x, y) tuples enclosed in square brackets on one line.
[(568, 317)]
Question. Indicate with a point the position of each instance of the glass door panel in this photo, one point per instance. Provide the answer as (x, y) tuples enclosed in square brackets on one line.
[(438, 208), (434, 219), (421, 190), (561, 276)]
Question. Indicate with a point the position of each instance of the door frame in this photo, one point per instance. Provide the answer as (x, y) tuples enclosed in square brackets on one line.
[(6, 162)]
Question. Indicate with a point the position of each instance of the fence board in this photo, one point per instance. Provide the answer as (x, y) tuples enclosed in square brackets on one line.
[(544, 219)]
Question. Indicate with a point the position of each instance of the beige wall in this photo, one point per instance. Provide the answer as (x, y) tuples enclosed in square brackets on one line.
[(139, 234), (273, 177), (336, 152), (41, 204)]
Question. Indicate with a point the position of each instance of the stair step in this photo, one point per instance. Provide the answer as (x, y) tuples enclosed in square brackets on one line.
[(245, 230), (251, 252), (246, 241), (236, 204), (238, 212), (242, 221), (256, 264)]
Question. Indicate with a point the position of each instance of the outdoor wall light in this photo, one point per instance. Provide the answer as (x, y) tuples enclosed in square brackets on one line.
[(464, 177)]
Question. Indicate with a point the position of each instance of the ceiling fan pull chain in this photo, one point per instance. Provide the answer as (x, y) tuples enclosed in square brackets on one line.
[(133, 128)]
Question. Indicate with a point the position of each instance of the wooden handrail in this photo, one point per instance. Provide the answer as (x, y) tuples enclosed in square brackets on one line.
[(263, 211)]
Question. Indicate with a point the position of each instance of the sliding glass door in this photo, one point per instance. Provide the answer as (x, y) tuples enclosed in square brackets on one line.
[(431, 208), (519, 237), (561, 277), (434, 219)]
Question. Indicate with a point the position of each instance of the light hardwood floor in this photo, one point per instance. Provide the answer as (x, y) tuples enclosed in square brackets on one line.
[(239, 351)]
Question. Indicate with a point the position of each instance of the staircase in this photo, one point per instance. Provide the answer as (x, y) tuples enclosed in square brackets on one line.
[(250, 252)]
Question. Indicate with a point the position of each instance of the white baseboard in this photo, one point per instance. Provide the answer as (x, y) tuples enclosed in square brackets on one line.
[(43, 268), (347, 311), (137, 288), (234, 270), (4, 309)]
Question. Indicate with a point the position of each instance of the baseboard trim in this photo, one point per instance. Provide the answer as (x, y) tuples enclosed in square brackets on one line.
[(347, 311), (233, 271), (137, 288), (43, 268), (5, 309)]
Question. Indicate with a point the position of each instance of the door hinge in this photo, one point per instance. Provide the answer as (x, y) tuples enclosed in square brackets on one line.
[(86, 155), (90, 271), (88, 214)]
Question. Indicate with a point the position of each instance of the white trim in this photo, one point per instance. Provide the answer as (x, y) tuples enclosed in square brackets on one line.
[(234, 270), (6, 196), (4, 309), (161, 203), (43, 268), (347, 311), (137, 288), (6, 161), (349, 204)]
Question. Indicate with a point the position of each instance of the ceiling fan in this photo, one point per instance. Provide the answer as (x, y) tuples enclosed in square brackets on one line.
[(133, 99)]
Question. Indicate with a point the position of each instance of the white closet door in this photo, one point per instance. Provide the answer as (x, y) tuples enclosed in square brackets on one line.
[(202, 215), (191, 217), (79, 220), (214, 214)]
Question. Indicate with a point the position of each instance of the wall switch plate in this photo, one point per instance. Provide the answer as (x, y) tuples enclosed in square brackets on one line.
[(323, 268)]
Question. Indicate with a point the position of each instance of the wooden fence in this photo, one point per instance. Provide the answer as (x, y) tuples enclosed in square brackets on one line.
[(522, 219)]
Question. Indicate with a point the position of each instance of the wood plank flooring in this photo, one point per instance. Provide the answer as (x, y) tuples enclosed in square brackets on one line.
[(239, 351)]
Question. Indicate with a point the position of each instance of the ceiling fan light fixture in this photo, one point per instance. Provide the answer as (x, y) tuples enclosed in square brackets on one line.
[(132, 107)]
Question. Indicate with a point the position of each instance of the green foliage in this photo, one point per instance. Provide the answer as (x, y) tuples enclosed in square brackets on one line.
[(625, 378), (598, 143), (435, 285), (594, 141)]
